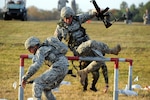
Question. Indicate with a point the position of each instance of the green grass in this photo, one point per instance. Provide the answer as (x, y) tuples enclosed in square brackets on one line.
[(134, 40)]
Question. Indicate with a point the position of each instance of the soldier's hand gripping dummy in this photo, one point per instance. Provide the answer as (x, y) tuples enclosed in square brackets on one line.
[(52, 52), (69, 28)]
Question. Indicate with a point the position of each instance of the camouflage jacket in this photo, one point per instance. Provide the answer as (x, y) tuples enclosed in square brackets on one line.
[(45, 53), (74, 34)]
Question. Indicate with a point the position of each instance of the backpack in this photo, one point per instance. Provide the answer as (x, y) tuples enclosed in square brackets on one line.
[(57, 44)]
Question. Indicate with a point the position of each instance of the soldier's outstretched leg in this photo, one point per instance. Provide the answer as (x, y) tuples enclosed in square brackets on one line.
[(87, 47)]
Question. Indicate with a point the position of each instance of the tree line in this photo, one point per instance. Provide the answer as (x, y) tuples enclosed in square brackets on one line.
[(37, 14), (137, 12)]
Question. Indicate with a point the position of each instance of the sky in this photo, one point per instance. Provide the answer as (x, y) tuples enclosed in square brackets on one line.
[(84, 5)]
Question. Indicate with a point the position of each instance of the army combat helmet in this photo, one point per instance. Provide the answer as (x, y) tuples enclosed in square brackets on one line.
[(31, 41), (67, 12)]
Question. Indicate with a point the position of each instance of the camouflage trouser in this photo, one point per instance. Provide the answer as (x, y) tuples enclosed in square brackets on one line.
[(49, 80), (88, 49), (105, 73), (95, 74), (96, 48)]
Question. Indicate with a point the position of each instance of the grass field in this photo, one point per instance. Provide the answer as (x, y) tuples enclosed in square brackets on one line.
[(134, 39)]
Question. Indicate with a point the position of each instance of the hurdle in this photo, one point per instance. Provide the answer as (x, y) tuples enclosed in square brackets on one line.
[(116, 71), (21, 73)]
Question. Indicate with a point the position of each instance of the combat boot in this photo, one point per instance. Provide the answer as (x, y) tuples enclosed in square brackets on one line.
[(93, 89), (116, 50), (83, 76)]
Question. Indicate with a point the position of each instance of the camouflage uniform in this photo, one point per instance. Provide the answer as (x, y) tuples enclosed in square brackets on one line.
[(61, 4), (51, 78), (73, 6), (80, 44)]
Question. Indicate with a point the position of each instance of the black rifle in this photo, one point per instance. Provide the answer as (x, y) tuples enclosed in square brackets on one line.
[(101, 14)]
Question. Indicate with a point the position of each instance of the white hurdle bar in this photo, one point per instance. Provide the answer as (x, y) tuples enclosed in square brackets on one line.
[(116, 71)]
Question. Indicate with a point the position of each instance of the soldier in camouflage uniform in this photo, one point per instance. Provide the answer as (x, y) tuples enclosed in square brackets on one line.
[(73, 6), (61, 4), (69, 28), (51, 78)]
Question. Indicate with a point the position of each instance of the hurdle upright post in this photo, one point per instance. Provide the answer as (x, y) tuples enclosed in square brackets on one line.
[(116, 74), (21, 73), (130, 61), (130, 74)]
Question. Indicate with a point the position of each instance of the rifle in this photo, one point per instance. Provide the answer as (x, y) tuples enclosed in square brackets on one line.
[(101, 14)]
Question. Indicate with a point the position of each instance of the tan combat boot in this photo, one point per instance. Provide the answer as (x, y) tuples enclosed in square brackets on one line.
[(116, 50), (83, 75)]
